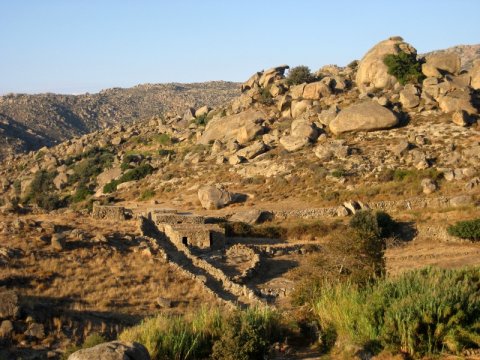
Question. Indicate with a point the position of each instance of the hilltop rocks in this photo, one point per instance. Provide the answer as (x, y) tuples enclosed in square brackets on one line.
[(441, 62), (264, 78), (475, 75), (115, 350), (242, 127), (214, 197), (372, 72), (253, 150), (457, 100), (409, 97), (365, 116)]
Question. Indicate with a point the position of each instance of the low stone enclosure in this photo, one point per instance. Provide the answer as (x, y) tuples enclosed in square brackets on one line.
[(109, 212)]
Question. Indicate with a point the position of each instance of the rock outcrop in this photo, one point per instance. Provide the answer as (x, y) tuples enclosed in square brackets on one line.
[(242, 127), (365, 116), (214, 197), (115, 350), (372, 72)]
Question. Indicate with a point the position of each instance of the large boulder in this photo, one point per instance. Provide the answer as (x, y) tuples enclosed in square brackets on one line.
[(294, 143), (475, 74), (303, 128), (214, 197), (457, 100), (365, 116), (115, 350), (316, 90), (443, 62), (253, 150), (372, 72), (242, 127)]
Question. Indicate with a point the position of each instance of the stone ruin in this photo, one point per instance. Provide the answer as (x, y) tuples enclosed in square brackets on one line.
[(109, 212), (188, 230)]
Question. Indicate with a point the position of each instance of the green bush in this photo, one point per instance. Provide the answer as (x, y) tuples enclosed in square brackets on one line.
[(89, 164), (377, 223), (247, 335), (201, 120), (81, 193), (299, 75), (135, 174), (243, 334), (466, 229), (110, 187), (405, 67), (147, 194), (266, 97), (423, 312), (90, 341), (41, 191), (163, 139)]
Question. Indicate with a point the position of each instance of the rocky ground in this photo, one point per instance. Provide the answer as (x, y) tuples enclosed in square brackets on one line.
[(279, 153)]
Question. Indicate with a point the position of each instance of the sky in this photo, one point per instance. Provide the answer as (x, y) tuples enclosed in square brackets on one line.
[(77, 46)]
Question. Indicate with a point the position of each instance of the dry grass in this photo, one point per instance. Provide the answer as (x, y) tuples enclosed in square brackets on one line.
[(92, 276)]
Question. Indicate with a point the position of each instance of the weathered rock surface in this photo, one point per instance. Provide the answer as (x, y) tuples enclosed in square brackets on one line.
[(449, 62), (214, 197), (372, 72), (115, 350), (242, 127), (365, 116)]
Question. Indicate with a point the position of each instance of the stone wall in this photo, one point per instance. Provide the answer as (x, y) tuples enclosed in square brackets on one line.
[(389, 206), (169, 218), (109, 212), (254, 261), (203, 237)]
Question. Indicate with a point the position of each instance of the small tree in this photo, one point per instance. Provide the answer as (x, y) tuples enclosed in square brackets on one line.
[(405, 67), (299, 75), (466, 230)]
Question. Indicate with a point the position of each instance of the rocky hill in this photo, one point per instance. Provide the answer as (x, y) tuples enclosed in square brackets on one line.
[(467, 53), (29, 122), (239, 204)]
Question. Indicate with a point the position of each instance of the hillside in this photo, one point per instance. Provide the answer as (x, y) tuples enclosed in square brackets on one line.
[(29, 122), (303, 190)]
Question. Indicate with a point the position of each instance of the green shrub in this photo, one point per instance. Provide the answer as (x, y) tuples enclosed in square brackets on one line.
[(91, 340), (299, 75), (147, 194), (134, 174), (163, 139), (243, 334), (137, 173), (89, 164), (81, 193), (466, 229), (266, 97), (339, 173), (110, 187), (405, 67), (201, 120), (177, 337), (41, 191), (166, 152), (377, 223), (247, 335), (422, 312)]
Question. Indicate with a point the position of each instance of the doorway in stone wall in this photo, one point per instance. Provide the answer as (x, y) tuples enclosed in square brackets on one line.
[(185, 241)]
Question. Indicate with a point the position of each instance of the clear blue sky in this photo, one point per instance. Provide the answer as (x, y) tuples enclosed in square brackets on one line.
[(73, 46)]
